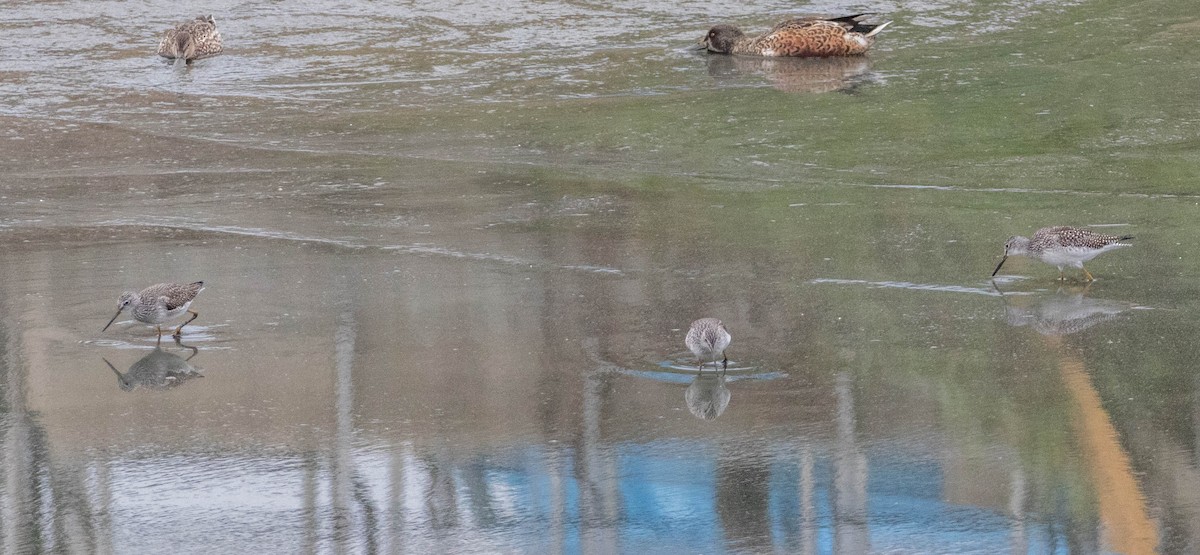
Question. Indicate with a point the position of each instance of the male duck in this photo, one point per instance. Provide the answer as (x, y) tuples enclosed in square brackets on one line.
[(808, 37)]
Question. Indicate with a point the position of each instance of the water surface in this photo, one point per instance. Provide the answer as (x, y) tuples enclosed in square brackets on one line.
[(450, 253)]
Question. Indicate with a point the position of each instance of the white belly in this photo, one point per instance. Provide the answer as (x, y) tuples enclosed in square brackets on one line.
[(1074, 256)]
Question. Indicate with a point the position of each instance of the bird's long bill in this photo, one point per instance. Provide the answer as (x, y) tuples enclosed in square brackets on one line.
[(994, 272), (114, 319)]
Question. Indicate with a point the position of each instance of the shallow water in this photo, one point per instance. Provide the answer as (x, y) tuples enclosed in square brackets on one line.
[(450, 253)]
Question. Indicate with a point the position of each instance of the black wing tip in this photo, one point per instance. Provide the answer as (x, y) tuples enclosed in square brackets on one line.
[(851, 18)]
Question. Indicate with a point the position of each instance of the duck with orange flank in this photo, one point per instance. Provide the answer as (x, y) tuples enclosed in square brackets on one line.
[(803, 37)]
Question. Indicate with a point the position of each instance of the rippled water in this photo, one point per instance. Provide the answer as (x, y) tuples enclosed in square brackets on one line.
[(451, 250)]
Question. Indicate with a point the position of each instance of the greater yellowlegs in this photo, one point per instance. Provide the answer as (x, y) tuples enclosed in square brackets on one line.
[(1063, 246), (191, 40), (706, 338), (808, 37), (159, 304)]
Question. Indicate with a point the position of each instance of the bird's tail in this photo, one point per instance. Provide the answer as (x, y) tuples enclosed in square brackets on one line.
[(851, 18), (185, 46), (875, 29), (857, 26)]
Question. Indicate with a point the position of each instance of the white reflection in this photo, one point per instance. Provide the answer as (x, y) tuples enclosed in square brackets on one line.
[(1062, 313), (707, 396), (158, 370)]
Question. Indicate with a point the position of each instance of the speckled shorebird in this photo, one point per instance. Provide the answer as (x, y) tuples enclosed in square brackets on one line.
[(1063, 246), (809, 36), (707, 337), (159, 304), (191, 40)]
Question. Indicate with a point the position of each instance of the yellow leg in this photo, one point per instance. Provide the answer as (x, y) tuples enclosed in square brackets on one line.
[(179, 330), (1087, 273)]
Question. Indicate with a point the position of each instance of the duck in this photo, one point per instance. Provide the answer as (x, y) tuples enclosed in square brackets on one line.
[(191, 40), (812, 37)]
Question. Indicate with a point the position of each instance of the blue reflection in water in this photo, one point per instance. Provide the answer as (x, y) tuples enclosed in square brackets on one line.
[(671, 501)]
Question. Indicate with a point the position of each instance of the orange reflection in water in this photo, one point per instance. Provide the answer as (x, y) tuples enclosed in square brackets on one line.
[(1125, 519)]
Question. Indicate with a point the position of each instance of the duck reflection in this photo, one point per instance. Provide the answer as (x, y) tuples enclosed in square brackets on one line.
[(796, 75), (707, 397), (1063, 313), (158, 370)]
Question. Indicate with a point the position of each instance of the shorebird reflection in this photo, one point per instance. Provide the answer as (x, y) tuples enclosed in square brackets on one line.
[(707, 396), (1062, 313), (158, 370)]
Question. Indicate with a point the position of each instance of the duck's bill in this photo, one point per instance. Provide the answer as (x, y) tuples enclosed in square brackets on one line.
[(997, 270), (700, 44), (110, 322)]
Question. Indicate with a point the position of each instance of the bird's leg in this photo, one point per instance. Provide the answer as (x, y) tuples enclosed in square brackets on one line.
[(699, 365), (724, 363), (1061, 276), (158, 338), (1087, 273), (179, 330)]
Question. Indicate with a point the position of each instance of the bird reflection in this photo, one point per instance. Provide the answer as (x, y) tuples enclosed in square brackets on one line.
[(707, 396), (158, 370), (1062, 313), (796, 75)]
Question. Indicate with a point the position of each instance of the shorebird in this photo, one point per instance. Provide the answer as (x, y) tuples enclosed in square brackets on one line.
[(808, 36), (191, 40), (160, 303), (1063, 246), (707, 337)]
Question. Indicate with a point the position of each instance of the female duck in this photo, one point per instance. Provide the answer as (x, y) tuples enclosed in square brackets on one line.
[(191, 40)]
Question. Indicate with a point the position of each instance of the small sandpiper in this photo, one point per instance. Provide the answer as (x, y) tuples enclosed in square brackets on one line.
[(707, 337), (808, 36), (1063, 246), (191, 40), (159, 304)]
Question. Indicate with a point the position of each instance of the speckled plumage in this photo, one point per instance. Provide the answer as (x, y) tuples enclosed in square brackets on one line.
[(159, 303), (191, 40), (1063, 246), (806, 37), (706, 338)]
